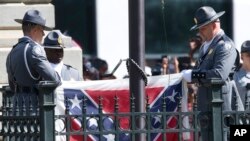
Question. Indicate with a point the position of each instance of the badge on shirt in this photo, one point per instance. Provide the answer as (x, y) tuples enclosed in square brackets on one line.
[(210, 51), (228, 46), (38, 51)]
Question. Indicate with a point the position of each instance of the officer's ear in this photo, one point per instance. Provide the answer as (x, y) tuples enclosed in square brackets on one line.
[(216, 24)]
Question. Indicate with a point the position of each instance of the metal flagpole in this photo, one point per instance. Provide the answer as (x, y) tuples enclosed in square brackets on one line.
[(137, 52)]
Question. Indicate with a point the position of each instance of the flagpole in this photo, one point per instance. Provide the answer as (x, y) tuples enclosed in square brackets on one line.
[(137, 52)]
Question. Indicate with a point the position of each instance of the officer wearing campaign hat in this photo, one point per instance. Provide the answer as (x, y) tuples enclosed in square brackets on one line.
[(54, 51), (217, 59), (27, 63), (242, 76), (204, 16), (35, 17)]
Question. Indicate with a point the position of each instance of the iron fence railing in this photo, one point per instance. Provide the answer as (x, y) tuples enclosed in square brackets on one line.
[(23, 120), (119, 131), (43, 124)]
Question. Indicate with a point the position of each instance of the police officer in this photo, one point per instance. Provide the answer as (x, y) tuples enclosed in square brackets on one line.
[(217, 59), (54, 51), (242, 76), (27, 63)]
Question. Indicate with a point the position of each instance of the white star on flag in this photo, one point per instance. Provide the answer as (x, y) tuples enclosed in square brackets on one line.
[(110, 137), (93, 122), (157, 118), (171, 97), (75, 102)]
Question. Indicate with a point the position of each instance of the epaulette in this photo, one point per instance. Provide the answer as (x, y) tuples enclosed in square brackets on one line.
[(25, 41)]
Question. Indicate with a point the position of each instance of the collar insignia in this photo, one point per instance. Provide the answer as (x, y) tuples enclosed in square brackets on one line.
[(195, 20), (210, 51), (59, 40)]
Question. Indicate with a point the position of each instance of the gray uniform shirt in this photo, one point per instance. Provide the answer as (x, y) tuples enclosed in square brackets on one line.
[(69, 73), (26, 65), (36, 67), (241, 79), (219, 62)]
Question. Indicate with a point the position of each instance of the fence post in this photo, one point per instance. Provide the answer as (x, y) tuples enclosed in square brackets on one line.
[(47, 105), (7, 96), (216, 85)]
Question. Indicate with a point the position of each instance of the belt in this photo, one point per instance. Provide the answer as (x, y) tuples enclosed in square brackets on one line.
[(26, 89)]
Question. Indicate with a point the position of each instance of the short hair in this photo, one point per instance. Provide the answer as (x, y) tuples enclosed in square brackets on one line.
[(164, 56), (27, 26)]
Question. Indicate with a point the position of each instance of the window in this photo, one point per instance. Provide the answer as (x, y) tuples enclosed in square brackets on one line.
[(167, 26), (76, 18)]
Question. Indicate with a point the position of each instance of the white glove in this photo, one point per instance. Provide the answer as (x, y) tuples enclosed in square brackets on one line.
[(186, 74)]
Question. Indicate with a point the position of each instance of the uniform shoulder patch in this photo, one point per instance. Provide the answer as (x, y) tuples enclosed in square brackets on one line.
[(38, 51), (228, 46)]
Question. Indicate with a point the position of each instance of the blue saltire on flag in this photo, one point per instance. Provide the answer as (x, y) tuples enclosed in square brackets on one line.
[(169, 86)]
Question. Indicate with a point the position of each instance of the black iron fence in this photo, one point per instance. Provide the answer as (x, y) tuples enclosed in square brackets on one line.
[(25, 123), (26, 117)]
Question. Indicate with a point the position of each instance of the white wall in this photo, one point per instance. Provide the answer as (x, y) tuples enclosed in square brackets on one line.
[(241, 21), (112, 33)]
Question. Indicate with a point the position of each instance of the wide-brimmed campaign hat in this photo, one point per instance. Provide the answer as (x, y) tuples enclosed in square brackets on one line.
[(34, 16), (53, 40), (245, 47), (205, 15)]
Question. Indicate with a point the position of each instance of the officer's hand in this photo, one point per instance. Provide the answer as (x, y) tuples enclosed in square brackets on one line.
[(186, 74)]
